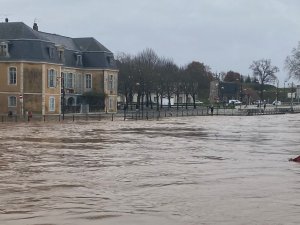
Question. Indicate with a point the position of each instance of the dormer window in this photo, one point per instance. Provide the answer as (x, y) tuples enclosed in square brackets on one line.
[(61, 55), (51, 52), (60, 49), (78, 60), (108, 59), (3, 49)]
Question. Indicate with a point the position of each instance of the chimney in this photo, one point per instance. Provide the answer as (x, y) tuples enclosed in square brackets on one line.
[(6, 20), (35, 27)]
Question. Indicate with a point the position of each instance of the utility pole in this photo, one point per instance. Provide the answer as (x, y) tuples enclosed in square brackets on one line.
[(292, 97)]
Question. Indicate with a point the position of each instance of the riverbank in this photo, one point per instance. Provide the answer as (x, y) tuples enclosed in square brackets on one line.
[(153, 114)]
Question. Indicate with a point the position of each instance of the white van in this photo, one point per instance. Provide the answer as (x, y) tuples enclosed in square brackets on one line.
[(234, 102), (276, 103)]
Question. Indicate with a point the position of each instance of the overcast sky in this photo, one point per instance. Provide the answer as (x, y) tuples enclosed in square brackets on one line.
[(223, 34)]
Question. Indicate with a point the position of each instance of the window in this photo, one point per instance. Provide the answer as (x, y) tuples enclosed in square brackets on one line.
[(61, 55), (3, 49), (69, 80), (51, 104), (111, 104), (110, 82), (51, 78), (88, 81), (12, 101), (108, 60), (79, 60), (60, 50), (51, 52), (12, 79)]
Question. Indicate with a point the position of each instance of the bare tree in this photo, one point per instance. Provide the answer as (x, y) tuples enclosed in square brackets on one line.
[(168, 71), (264, 72), (126, 73), (146, 62), (146, 73), (292, 63)]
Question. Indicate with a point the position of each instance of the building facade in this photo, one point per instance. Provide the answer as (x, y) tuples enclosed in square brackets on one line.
[(44, 73)]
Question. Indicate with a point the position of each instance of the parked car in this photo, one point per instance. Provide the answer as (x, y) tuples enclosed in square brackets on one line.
[(197, 102), (276, 102), (234, 102), (259, 102)]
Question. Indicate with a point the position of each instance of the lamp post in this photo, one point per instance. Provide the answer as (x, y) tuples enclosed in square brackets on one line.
[(217, 92), (63, 93), (241, 90), (222, 95), (138, 96), (276, 102), (241, 94), (63, 96), (284, 91), (292, 97)]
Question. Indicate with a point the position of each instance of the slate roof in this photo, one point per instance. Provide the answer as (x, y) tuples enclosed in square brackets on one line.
[(17, 30), (27, 44), (89, 44)]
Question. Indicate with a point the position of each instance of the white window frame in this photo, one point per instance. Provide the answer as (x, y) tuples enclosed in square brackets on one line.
[(51, 78), (79, 60), (110, 82), (51, 104), (51, 52), (110, 103), (3, 49), (11, 102), (12, 75), (69, 80), (88, 81)]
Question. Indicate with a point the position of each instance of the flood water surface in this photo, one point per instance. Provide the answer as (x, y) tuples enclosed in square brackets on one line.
[(191, 171)]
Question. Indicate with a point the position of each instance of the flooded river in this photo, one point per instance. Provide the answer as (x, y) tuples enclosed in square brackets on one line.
[(188, 171)]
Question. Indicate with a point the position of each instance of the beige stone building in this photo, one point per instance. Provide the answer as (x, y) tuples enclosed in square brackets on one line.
[(49, 74)]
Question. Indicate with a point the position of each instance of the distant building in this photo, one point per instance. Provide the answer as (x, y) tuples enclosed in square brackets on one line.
[(298, 92), (43, 73), (222, 92)]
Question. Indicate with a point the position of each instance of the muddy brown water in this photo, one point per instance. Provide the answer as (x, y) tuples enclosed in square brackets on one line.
[(190, 170)]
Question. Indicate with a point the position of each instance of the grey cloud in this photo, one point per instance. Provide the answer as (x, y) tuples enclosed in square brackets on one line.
[(224, 34)]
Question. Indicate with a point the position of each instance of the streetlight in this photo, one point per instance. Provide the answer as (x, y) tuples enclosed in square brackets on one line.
[(138, 96), (63, 93), (276, 102), (284, 91), (292, 96), (222, 95), (217, 92), (241, 90), (241, 94)]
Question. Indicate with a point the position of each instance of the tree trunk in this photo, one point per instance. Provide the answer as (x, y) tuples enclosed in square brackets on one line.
[(157, 101), (194, 100), (151, 103), (177, 94), (169, 100), (186, 100)]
